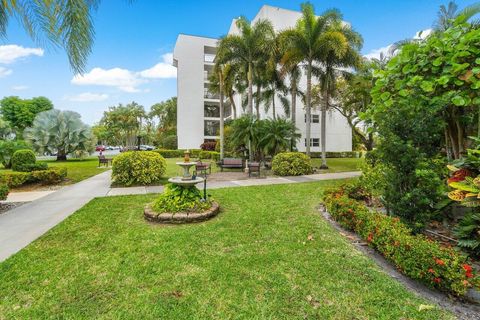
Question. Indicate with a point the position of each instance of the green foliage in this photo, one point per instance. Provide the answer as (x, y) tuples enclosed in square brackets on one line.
[(169, 142), (15, 179), (333, 154), (60, 132), (3, 191), (414, 255), (468, 233), (49, 176), (138, 168), (20, 113), (176, 198), (213, 155), (21, 159), (291, 164), (32, 167), (8, 148)]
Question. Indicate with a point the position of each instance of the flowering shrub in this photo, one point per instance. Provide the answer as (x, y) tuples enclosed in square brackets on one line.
[(414, 255)]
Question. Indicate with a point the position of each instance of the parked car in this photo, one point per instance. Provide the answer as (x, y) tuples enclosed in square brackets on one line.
[(145, 147), (100, 148)]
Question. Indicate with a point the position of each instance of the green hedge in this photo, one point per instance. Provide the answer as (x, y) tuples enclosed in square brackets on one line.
[(193, 154), (15, 179), (343, 154), (3, 191), (138, 168), (414, 255), (291, 164)]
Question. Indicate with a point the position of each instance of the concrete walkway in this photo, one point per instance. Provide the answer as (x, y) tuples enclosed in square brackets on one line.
[(24, 224)]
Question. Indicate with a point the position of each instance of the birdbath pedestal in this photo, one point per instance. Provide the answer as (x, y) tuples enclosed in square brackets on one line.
[(186, 169)]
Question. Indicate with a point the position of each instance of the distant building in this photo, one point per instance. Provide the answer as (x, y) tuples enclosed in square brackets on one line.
[(198, 115)]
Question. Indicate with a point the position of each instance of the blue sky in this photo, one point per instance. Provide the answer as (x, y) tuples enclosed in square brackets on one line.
[(132, 51)]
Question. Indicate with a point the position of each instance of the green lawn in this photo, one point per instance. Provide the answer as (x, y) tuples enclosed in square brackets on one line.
[(268, 255), (339, 164), (78, 169)]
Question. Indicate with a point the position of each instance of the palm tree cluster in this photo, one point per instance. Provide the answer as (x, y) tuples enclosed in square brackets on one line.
[(268, 66)]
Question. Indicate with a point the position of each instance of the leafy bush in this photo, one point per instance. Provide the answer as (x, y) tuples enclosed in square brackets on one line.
[(50, 176), (414, 255), (138, 167), (208, 146), (209, 155), (15, 179), (291, 164), (8, 148), (3, 191), (176, 198), (177, 153), (468, 233), (21, 159), (32, 167), (343, 154), (169, 142)]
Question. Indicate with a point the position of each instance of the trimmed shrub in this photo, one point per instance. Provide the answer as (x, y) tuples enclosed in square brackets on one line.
[(29, 167), (169, 142), (3, 191), (138, 167), (50, 176), (341, 154), (213, 155), (414, 255), (15, 179), (21, 159), (291, 164), (177, 153)]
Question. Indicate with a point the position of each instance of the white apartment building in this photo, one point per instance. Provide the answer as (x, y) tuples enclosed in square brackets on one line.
[(198, 115)]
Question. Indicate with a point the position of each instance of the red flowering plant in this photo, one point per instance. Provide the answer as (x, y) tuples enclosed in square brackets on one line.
[(416, 256)]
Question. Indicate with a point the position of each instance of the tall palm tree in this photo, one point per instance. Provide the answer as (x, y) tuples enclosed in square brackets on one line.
[(342, 53), (248, 48), (447, 15), (307, 43), (66, 24)]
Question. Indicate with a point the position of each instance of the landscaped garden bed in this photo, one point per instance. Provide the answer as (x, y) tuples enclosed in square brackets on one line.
[(265, 255)]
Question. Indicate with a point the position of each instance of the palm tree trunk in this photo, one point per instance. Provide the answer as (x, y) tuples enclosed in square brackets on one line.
[(257, 102), (250, 89), (324, 132), (273, 107), (294, 105), (221, 114), (308, 107)]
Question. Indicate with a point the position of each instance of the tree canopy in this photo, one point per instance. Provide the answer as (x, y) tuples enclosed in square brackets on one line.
[(20, 113)]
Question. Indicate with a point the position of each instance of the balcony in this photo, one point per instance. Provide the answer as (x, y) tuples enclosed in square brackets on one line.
[(209, 95), (209, 58)]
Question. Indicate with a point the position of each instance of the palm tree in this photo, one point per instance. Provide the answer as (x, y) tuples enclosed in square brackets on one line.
[(307, 43), (277, 135), (246, 132), (343, 46), (448, 15), (248, 48), (66, 24)]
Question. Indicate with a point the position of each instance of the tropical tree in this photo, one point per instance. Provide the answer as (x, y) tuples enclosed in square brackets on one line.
[(60, 132), (247, 48), (343, 45), (230, 75), (246, 132), (276, 135), (308, 44), (448, 15), (124, 122), (5, 129), (66, 24), (20, 113)]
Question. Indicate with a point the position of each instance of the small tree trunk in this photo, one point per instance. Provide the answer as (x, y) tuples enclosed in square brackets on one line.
[(324, 132), (250, 89), (273, 108), (308, 107), (257, 102), (61, 156), (221, 114)]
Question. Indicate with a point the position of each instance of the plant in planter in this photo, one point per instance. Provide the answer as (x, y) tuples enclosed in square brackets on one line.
[(176, 198)]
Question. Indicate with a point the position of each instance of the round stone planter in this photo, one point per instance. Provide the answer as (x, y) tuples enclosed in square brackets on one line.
[(180, 217)]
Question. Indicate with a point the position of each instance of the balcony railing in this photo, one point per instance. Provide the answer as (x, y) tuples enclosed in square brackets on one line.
[(209, 58), (209, 95)]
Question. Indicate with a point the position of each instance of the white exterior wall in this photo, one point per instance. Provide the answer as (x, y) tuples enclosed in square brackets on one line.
[(189, 58), (190, 132)]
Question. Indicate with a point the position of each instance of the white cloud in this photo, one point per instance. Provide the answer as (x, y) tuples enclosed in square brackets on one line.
[(19, 88), (375, 53), (162, 70), (122, 79), (5, 72), (12, 52), (88, 97), (127, 80)]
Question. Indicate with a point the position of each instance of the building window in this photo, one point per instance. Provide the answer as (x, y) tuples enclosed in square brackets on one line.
[(211, 128), (211, 111), (314, 118), (314, 142)]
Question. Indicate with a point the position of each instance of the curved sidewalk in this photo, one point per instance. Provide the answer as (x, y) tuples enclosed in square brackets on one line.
[(24, 224)]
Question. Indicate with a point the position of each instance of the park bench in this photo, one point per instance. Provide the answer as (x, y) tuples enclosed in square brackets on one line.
[(203, 167), (253, 167), (230, 163), (102, 160)]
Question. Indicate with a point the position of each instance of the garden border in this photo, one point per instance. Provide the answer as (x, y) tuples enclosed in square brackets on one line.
[(462, 310), (180, 217)]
